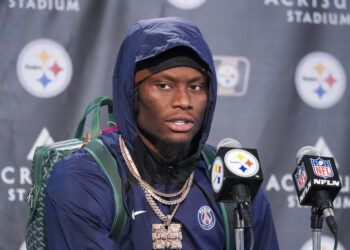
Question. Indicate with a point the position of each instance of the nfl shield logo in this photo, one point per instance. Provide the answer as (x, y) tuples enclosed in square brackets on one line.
[(301, 177), (322, 168)]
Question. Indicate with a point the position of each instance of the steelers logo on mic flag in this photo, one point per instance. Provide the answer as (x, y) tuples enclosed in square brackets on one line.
[(217, 174), (241, 162)]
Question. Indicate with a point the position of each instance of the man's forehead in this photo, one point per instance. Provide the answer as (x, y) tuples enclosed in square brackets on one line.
[(171, 75), (175, 57)]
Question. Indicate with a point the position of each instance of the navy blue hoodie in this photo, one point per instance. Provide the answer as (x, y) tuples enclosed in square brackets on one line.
[(79, 204)]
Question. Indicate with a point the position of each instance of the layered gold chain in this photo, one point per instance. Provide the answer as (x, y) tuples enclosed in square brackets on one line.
[(152, 194)]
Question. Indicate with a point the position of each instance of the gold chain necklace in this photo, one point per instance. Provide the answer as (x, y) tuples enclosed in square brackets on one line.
[(168, 234)]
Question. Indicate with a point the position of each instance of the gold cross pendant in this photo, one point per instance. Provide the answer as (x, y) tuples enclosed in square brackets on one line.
[(167, 236)]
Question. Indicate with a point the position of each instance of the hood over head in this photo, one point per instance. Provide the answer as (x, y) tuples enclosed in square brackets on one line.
[(147, 39)]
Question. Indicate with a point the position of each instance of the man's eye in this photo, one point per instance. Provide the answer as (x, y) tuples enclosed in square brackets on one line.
[(163, 86), (197, 86)]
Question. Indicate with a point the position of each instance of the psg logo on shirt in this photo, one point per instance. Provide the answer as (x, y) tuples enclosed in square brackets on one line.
[(206, 218), (301, 177), (322, 168)]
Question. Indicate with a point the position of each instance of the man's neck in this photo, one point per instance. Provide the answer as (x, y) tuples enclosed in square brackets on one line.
[(154, 170)]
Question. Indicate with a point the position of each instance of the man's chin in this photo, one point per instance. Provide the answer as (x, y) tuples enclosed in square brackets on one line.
[(178, 141), (174, 149), (179, 138)]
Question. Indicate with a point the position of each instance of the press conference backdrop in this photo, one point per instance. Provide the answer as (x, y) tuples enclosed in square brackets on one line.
[(282, 68)]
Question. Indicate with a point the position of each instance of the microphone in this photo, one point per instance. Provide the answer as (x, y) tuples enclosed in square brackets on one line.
[(236, 176), (317, 183)]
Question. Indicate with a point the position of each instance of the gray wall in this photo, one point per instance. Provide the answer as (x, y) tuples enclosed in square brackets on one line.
[(282, 68)]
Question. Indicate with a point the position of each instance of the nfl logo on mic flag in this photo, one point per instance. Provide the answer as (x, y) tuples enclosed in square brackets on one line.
[(301, 177), (322, 168), (314, 174)]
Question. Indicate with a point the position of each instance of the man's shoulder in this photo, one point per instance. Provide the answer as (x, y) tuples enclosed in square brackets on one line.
[(80, 169), (81, 162), (79, 190), (77, 161), (77, 171)]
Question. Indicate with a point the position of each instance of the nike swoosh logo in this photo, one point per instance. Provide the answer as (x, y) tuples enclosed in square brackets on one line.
[(134, 213)]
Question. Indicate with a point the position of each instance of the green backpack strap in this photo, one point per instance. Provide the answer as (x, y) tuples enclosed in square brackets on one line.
[(208, 155), (97, 149)]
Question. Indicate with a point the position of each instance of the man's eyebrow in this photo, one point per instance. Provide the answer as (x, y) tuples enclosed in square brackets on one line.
[(171, 78), (167, 76), (199, 78)]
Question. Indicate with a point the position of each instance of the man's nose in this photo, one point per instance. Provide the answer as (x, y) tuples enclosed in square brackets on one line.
[(182, 98)]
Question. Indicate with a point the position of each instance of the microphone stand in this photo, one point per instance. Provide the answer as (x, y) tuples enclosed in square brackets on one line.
[(316, 225), (239, 230), (242, 214)]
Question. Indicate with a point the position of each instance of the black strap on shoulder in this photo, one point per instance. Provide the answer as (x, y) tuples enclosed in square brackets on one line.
[(208, 155), (108, 164)]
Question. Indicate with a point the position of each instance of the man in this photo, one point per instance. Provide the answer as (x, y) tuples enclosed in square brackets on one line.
[(164, 93)]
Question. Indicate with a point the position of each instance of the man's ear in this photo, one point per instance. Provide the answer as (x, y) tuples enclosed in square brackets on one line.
[(139, 77)]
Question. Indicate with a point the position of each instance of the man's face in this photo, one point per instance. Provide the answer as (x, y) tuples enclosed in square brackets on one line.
[(172, 104)]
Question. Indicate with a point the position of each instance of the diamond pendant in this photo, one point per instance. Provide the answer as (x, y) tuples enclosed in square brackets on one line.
[(167, 236)]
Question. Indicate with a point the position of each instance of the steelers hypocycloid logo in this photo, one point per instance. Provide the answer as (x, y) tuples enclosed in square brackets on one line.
[(217, 174), (320, 80), (228, 75), (232, 75), (44, 68), (241, 162)]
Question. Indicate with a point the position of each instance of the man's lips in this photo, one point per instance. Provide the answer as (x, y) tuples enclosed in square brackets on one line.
[(180, 124)]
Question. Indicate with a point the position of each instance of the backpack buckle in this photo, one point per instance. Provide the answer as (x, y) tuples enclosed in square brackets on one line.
[(30, 196)]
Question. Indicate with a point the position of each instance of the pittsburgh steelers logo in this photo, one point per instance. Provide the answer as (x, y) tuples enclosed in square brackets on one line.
[(227, 75), (206, 218), (186, 4), (217, 174), (241, 162), (320, 80), (232, 75), (44, 68)]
